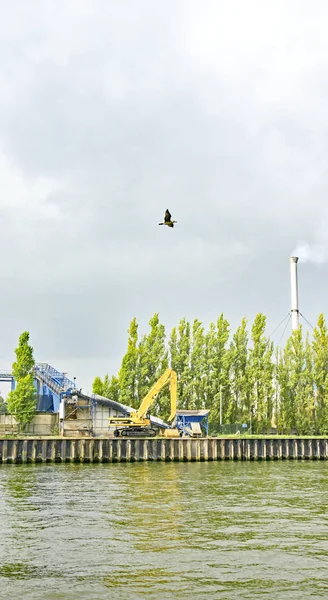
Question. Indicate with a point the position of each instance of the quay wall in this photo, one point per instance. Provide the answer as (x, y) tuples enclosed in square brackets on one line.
[(93, 450)]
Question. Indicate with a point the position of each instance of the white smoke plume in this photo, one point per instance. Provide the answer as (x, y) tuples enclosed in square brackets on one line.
[(314, 253)]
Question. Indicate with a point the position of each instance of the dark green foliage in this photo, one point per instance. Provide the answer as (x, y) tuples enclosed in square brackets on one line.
[(260, 376), (180, 347), (240, 378), (216, 370), (24, 362), (196, 390), (296, 391), (22, 400), (109, 388), (129, 371), (320, 373), (239, 405), (153, 356), (98, 386)]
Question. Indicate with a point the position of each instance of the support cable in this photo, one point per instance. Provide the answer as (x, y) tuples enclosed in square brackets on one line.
[(282, 335), (306, 320), (274, 331)]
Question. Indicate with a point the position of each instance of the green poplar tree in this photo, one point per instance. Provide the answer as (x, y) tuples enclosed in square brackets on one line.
[(305, 416), (24, 362), (260, 376), (295, 385), (238, 408), (278, 383), (112, 388), (153, 357), (286, 392), (108, 388), (320, 373), (180, 347), (128, 373), (22, 400), (196, 390), (173, 350), (210, 367), (98, 386), (217, 370)]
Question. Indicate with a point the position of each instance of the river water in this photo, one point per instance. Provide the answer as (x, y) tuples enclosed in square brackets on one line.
[(198, 530)]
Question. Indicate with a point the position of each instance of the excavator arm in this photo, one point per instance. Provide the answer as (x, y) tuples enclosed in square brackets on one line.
[(168, 376), (138, 424)]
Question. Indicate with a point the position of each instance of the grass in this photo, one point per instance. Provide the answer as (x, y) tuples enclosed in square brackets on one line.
[(218, 436), (273, 436)]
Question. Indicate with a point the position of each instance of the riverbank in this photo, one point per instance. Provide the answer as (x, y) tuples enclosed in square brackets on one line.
[(91, 450)]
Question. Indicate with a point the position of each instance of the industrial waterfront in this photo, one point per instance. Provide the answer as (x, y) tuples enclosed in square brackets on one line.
[(215, 530)]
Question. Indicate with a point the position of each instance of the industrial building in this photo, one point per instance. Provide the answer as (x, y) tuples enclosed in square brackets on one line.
[(63, 409)]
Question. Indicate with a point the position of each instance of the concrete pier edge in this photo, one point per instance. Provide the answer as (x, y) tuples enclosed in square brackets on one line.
[(109, 450)]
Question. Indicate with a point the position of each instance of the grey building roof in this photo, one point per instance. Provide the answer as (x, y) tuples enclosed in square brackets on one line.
[(121, 408)]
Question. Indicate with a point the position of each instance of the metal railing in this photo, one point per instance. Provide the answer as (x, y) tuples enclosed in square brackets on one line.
[(5, 375), (55, 380)]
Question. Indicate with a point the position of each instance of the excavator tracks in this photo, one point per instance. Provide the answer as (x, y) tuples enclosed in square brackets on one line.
[(139, 432)]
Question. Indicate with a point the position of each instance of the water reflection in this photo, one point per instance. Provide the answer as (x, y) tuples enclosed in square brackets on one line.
[(18, 484), (228, 530)]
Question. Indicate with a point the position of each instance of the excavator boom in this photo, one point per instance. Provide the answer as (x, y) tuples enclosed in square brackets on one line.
[(168, 376)]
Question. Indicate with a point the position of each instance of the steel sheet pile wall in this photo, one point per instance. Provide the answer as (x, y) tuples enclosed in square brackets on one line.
[(87, 450)]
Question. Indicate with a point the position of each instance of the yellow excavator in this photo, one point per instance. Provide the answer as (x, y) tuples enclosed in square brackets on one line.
[(138, 423)]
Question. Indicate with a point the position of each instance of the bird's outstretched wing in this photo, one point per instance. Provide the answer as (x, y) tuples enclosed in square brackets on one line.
[(167, 217)]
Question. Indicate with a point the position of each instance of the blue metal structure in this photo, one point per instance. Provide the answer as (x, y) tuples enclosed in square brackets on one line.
[(186, 418), (49, 383)]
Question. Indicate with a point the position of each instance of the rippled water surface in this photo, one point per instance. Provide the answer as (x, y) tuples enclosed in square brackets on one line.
[(208, 530)]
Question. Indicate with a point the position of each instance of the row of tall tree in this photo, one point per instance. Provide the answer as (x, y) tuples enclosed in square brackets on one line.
[(240, 377)]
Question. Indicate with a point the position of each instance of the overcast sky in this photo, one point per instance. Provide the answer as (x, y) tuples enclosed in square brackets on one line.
[(111, 112)]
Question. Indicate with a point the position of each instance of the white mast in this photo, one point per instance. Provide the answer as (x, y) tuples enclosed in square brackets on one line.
[(294, 292)]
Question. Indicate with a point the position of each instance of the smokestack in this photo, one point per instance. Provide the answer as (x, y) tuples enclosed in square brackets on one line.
[(294, 292)]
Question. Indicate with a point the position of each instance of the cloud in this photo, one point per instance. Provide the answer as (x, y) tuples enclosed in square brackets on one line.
[(112, 112)]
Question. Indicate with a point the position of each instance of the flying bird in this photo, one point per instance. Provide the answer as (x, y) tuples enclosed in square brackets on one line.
[(167, 219)]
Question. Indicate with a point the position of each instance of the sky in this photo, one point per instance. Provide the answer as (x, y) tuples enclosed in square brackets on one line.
[(111, 112)]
